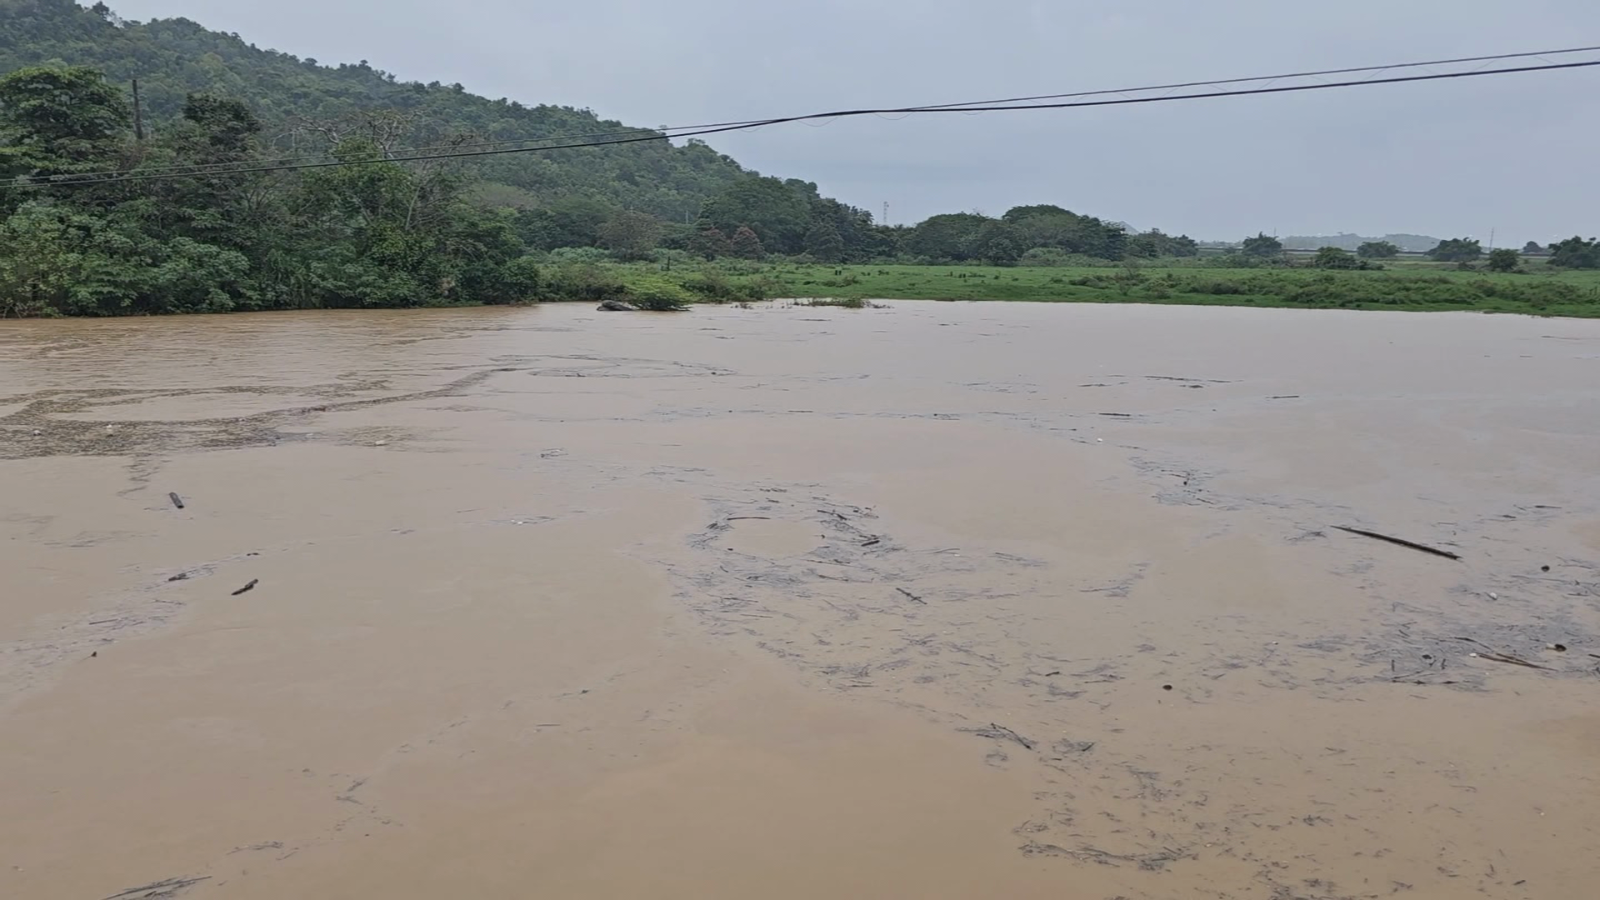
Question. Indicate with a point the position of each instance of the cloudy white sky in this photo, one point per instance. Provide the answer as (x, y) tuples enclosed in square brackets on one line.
[(1515, 154)]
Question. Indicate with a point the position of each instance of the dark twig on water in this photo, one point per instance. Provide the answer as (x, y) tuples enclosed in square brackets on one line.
[(870, 542), (248, 587), (1400, 541), (912, 597), (744, 518), (1493, 655), (176, 500), (167, 888), (1001, 733)]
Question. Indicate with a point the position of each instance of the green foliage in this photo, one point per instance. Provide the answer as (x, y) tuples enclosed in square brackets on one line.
[(1459, 250), (1377, 250), (631, 235), (566, 222), (997, 243), (657, 295), (1261, 246), (582, 281), (775, 210), (1576, 253), (1532, 248), (1504, 260), (1334, 258)]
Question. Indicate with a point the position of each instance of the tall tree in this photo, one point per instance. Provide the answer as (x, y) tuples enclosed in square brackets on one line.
[(59, 119), (631, 234), (746, 244), (709, 243), (1504, 260), (823, 242)]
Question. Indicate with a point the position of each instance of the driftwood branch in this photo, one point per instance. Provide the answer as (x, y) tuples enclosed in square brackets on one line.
[(1399, 541)]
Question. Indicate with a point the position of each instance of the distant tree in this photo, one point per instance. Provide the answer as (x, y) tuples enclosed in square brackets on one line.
[(1153, 244), (1261, 246), (948, 236), (1576, 253), (1531, 247), (996, 243), (1182, 246), (823, 242), (1459, 250), (1378, 250), (746, 244), (1504, 260), (710, 243), (1334, 258), (1051, 226), (567, 222), (630, 235)]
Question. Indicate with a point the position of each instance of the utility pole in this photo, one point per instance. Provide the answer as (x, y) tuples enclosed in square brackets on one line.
[(138, 114), (1491, 240)]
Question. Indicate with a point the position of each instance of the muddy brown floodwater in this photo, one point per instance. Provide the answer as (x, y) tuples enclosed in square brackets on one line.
[(933, 601)]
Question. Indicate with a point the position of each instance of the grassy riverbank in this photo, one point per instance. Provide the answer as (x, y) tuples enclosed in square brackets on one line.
[(1542, 292)]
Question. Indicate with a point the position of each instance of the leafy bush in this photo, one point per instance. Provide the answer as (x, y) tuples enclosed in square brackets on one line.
[(582, 281)]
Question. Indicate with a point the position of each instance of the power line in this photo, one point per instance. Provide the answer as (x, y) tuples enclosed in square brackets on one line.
[(967, 105), (1016, 104)]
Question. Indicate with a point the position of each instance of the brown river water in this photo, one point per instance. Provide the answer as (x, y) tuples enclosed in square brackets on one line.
[(930, 601)]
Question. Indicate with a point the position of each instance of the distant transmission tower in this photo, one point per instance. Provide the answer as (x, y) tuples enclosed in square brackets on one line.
[(885, 212)]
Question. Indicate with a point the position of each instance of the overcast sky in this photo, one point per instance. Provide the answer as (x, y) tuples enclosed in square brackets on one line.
[(1514, 153)]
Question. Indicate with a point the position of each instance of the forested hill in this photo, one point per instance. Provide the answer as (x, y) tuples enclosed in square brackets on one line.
[(173, 58)]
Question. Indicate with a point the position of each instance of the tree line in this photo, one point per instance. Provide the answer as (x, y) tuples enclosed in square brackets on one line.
[(373, 232), (1572, 253)]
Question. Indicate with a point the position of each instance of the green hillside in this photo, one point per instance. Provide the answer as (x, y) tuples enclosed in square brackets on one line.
[(173, 58)]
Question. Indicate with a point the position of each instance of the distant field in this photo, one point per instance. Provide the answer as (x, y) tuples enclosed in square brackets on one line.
[(1409, 286)]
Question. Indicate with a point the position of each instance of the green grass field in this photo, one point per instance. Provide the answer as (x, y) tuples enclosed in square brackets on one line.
[(1411, 287)]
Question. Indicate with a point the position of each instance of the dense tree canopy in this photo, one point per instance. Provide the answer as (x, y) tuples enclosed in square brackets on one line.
[(1378, 250), (366, 233), (1262, 246)]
